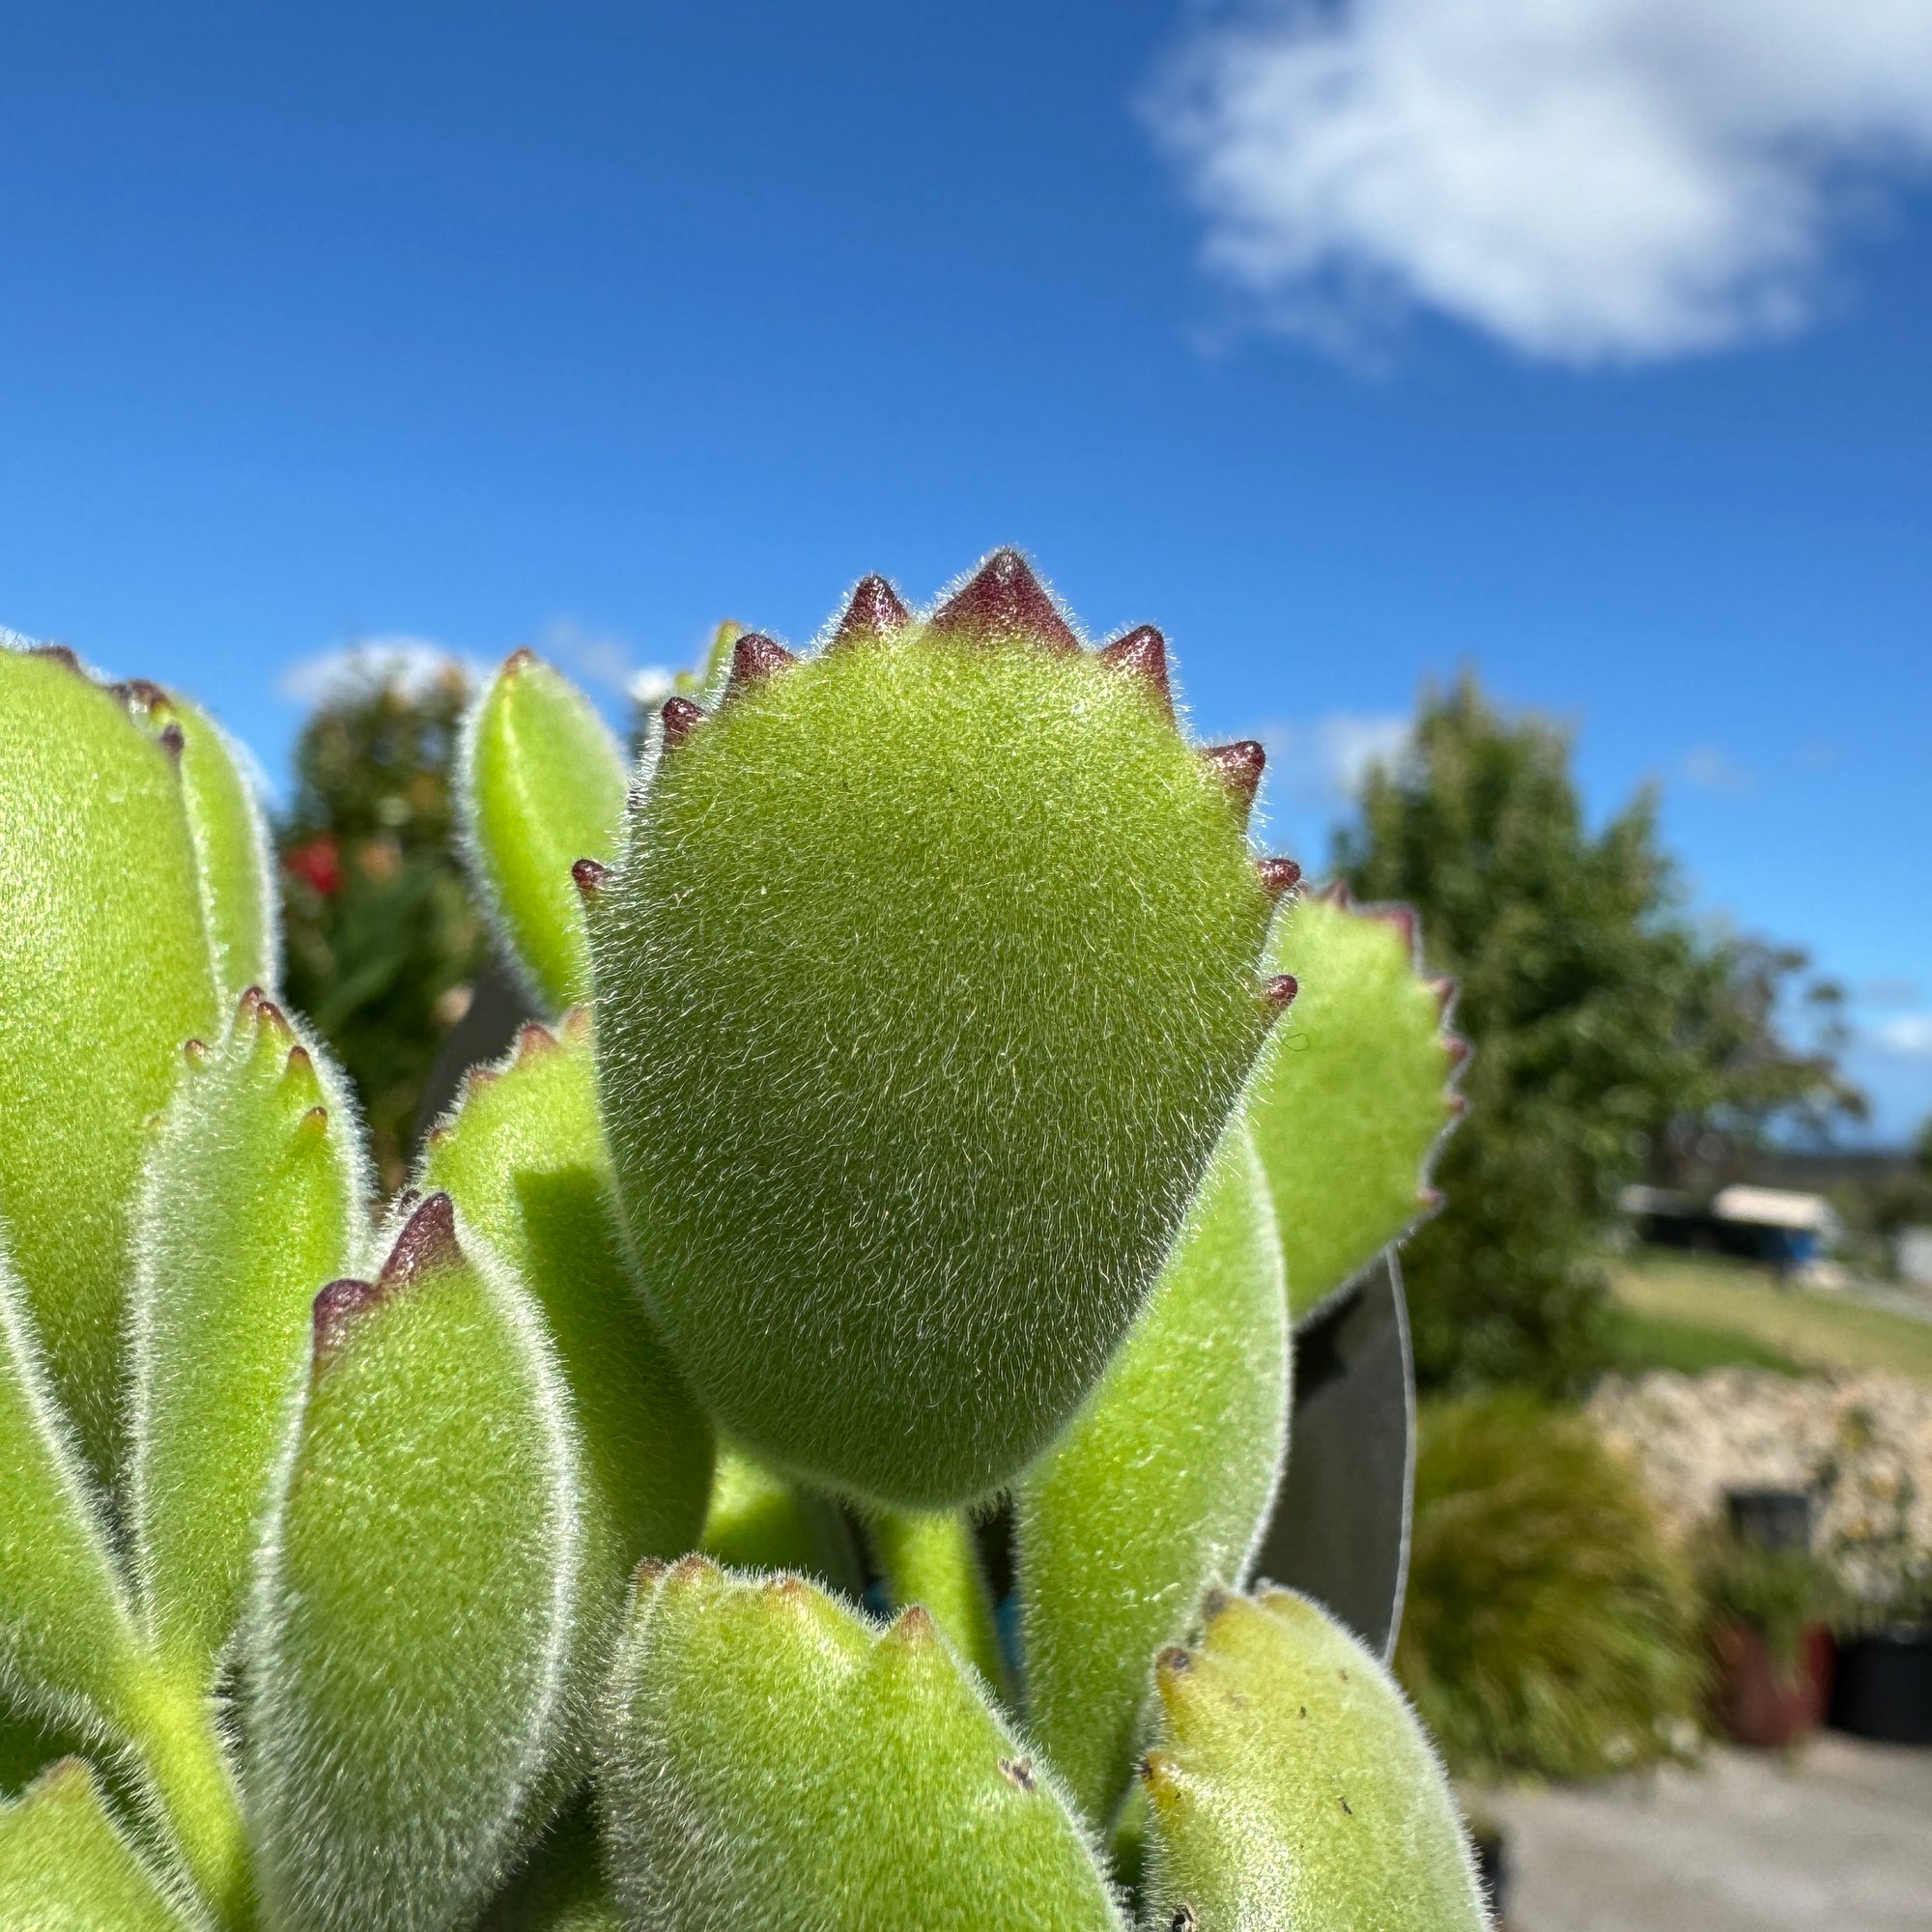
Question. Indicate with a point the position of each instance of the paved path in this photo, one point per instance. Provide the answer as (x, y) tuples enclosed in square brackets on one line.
[(1840, 1837)]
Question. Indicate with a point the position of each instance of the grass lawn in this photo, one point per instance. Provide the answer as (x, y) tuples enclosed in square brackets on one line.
[(1697, 1311)]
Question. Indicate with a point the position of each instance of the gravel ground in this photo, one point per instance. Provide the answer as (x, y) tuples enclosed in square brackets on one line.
[(1837, 1836)]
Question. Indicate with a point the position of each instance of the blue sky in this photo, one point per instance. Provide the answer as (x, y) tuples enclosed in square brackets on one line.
[(1351, 349)]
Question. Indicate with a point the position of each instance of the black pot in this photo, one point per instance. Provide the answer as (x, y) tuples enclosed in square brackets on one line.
[(1771, 1518), (1491, 1868), (1884, 1687)]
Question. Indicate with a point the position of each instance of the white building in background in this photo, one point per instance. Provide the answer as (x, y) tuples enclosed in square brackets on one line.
[(1914, 1255)]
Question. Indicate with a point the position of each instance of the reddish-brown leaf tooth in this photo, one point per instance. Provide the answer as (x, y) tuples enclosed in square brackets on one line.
[(874, 612), (681, 717), (60, 654), (1445, 991), (1278, 876), (1456, 1048), (336, 1307), (589, 876), (172, 742), (1238, 768), (1402, 918), (1142, 655), (533, 1038), (1005, 599), (313, 1123), (755, 658), (1429, 1200), (519, 660), (426, 1245), (298, 1066), (139, 694), (1173, 1660), (1278, 993), (195, 1052), (1457, 1103)]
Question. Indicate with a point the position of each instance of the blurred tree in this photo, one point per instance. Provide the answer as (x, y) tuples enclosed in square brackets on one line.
[(1604, 1024), (383, 939)]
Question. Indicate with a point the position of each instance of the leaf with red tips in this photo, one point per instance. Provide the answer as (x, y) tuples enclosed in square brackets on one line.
[(254, 1198), (1278, 876), (1351, 1104), (874, 611), (1293, 1788), (588, 876), (65, 1867), (836, 1779), (1142, 655), (234, 865), (755, 658), (1160, 1484), (679, 718), (417, 1598), (100, 986), (925, 987), (1238, 768), (541, 784), (1004, 600)]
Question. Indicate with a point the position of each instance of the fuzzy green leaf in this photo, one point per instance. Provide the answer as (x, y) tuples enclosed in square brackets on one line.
[(104, 970), (65, 1868), (67, 1642), (410, 1673), (926, 984), (69, 1654), (758, 1520), (231, 841), (524, 1159), (1349, 1106), (1160, 1484), (772, 1761), (561, 1888), (543, 786), (1293, 1788), (254, 1199), (930, 1557)]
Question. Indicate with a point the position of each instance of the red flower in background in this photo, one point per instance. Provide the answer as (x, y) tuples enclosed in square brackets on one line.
[(318, 864)]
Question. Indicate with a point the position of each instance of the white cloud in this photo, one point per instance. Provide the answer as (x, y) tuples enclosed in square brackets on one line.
[(1710, 770), (407, 663), (1320, 766), (1907, 1034), (1586, 180)]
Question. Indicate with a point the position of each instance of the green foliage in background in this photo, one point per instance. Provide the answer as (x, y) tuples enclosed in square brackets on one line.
[(1607, 1030), (383, 938), (1549, 1633)]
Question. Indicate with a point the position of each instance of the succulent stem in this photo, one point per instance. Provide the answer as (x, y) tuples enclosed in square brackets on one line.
[(929, 1557), (173, 1730)]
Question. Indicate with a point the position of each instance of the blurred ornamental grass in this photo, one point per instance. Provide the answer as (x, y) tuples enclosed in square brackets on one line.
[(1551, 1631)]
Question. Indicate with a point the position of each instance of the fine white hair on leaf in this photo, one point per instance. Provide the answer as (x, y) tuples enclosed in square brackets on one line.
[(408, 1812)]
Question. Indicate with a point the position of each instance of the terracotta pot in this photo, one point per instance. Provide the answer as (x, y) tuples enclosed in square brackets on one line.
[(1754, 1703)]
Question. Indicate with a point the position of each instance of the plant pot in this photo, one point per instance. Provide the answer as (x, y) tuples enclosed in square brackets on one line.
[(1884, 1687), (1755, 1703), (1771, 1518), (1491, 1867)]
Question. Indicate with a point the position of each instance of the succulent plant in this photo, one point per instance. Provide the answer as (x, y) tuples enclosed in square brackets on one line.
[(791, 1457)]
